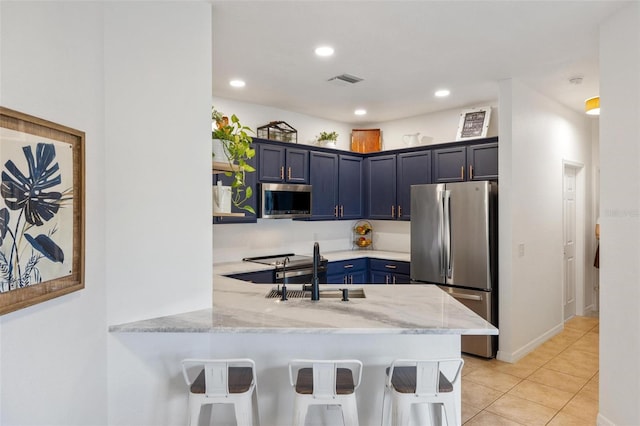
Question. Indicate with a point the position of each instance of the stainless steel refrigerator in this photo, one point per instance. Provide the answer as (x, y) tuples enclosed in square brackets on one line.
[(454, 238)]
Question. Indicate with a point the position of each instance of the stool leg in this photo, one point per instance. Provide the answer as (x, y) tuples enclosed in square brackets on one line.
[(300, 407), (350, 411), (450, 411), (244, 411), (401, 412), (194, 411), (256, 413)]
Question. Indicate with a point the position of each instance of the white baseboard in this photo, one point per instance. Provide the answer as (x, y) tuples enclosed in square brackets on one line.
[(603, 421), (512, 357)]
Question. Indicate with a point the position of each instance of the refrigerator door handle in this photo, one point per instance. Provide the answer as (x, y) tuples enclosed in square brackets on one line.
[(442, 235), (447, 234)]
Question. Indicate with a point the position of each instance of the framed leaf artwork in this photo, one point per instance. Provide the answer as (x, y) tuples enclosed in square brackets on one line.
[(41, 210)]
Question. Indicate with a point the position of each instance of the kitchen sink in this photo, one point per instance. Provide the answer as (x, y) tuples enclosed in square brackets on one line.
[(354, 293)]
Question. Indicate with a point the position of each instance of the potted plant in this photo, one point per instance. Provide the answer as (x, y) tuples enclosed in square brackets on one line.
[(328, 139), (236, 150)]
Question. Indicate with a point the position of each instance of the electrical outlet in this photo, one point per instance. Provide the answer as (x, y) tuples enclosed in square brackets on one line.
[(521, 250)]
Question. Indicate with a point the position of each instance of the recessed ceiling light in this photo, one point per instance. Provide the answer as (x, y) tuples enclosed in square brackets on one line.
[(324, 51), (442, 93), (237, 83), (360, 111)]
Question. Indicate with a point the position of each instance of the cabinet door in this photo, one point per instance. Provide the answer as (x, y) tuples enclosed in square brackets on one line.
[(381, 187), (323, 177), (336, 278), (380, 277), (359, 277), (271, 163), (251, 180), (350, 187), (449, 164), (483, 161), (414, 168), (401, 279), (297, 170)]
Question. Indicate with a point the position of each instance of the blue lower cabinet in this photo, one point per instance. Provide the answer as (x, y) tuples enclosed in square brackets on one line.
[(389, 272), (354, 271)]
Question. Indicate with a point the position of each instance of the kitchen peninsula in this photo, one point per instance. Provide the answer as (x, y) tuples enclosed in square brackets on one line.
[(391, 321)]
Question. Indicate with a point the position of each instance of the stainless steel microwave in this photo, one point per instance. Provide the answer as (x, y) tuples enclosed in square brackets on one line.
[(279, 200)]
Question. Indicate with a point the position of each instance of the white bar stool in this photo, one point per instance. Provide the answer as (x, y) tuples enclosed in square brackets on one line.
[(411, 381), (222, 381), (325, 382)]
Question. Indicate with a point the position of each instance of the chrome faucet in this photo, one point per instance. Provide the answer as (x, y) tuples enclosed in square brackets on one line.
[(315, 287)]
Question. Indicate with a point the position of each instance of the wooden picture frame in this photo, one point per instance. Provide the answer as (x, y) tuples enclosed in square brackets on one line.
[(42, 208), (474, 123)]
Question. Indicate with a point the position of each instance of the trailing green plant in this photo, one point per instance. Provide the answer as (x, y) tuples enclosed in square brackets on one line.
[(327, 136), (237, 150)]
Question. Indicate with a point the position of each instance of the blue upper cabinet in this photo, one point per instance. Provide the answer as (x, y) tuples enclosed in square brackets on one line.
[(414, 168), (337, 186), (389, 179), (323, 177), (381, 186), (279, 164), (468, 162), (449, 164), (350, 187), (482, 161)]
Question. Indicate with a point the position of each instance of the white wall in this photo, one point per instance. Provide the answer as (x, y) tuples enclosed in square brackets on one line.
[(120, 72), (536, 135), (619, 218), (53, 356), (435, 128)]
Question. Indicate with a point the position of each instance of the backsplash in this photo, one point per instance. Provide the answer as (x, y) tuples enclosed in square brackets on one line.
[(232, 242)]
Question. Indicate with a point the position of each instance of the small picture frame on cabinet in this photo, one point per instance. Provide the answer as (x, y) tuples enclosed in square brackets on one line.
[(474, 123)]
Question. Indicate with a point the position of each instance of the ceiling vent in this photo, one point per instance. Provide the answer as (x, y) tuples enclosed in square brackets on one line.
[(344, 79)]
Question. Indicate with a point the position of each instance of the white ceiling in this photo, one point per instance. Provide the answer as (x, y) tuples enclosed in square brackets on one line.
[(404, 51)]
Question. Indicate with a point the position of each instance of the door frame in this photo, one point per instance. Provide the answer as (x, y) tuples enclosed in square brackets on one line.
[(580, 234)]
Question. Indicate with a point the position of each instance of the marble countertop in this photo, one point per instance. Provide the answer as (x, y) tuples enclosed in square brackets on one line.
[(241, 307)]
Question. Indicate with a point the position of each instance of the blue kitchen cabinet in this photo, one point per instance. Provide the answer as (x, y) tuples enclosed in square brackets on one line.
[(323, 177), (389, 271), (250, 181), (482, 161), (389, 179), (354, 271), (337, 186), (380, 178), (414, 168), (464, 163), (449, 164), (283, 165), (350, 187)]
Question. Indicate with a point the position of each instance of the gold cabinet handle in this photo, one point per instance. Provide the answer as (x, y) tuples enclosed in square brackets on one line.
[(470, 171), (393, 211), (390, 266), (399, 210), (462, 172), (335, 211), (348, 266), (289, 173), (281, 172), (342, 210), (386, 279)]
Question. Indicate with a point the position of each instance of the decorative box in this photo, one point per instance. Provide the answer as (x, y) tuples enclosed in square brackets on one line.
[(278, 131)]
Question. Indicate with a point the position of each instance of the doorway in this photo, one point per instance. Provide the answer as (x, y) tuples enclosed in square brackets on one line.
[(572, 240)]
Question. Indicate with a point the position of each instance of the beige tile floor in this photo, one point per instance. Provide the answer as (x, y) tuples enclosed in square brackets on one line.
[(557, 384)]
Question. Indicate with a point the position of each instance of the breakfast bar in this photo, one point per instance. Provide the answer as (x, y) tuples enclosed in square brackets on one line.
[(389, 322)]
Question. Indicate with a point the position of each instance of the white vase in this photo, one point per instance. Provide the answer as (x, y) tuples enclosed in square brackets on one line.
[(221, 198), (217, 148), (330, 144)]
